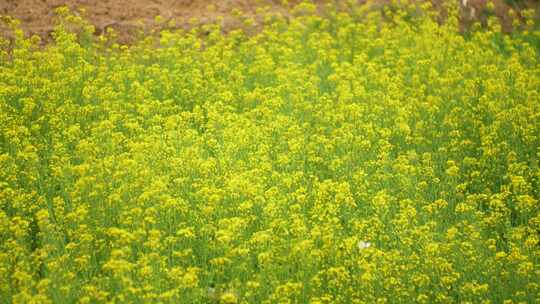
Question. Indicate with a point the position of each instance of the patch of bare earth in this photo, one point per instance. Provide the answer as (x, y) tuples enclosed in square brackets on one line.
[(126, 17)]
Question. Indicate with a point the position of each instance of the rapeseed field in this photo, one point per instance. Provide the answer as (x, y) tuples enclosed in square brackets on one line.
[(358, 156)]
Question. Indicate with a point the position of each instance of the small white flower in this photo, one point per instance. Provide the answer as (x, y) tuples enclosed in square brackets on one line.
[(363, 245)]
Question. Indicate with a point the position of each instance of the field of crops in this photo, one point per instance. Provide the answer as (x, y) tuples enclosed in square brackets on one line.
[(367, 156)]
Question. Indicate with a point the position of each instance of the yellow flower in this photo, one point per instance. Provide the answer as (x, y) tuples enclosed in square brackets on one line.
[(229, 298)]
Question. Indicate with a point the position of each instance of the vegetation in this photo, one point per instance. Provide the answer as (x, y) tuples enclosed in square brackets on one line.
[(367, 156)]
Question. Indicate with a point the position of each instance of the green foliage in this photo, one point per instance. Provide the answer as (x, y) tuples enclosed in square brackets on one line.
[(366, 156)]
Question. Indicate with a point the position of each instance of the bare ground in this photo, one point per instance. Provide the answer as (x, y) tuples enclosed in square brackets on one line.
[(127, 16)]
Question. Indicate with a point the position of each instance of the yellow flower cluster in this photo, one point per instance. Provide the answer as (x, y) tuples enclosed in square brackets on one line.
[(371, 155)]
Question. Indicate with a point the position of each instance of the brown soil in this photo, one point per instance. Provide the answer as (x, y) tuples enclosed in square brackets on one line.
[(127, 16)]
